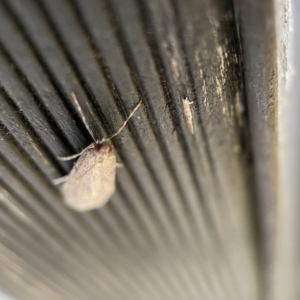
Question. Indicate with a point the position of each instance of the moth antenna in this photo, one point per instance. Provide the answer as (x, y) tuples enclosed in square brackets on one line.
[(75, 155), (82, 116), (124, 124)]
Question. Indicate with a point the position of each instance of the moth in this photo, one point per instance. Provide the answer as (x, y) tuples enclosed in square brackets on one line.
[(92, 181)]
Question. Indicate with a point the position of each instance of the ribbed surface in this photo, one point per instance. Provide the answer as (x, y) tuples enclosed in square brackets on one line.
[(180, 223)]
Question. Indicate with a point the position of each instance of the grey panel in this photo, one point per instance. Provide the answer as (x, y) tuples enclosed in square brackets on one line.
[(182, 223)]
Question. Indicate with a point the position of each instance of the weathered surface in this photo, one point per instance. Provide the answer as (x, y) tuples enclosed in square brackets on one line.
[(180, 224)]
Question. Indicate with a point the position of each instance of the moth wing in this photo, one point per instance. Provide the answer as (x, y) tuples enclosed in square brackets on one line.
[(91, 182)]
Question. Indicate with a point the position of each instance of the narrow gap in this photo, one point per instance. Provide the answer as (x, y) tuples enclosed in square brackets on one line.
[(47, 71), (242, 116), (26, 124), (254, 203), (246, 136)]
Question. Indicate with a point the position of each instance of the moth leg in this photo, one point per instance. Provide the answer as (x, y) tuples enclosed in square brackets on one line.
[(77, 154), (70, 157), (60, 180), (82, 116), (119, 165)]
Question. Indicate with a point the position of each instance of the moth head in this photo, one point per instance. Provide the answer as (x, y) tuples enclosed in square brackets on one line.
[(104, 147)]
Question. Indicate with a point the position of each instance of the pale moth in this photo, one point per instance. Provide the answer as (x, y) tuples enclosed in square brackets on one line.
[(92, 181)]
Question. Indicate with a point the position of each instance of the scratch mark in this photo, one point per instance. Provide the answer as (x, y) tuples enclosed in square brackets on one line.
[(174, 66)]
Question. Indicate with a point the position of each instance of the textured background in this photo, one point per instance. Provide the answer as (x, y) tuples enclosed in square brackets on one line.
[(187, 220)]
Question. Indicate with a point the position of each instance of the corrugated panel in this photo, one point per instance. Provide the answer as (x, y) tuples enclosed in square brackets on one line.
[(180, 225)]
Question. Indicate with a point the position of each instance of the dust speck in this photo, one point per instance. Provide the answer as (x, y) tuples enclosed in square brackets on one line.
[(188, 114)]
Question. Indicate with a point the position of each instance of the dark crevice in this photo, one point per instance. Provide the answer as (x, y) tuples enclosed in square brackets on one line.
[(38, 102), (254, 204), (45, 68), (237, 46), (35, 137)]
